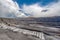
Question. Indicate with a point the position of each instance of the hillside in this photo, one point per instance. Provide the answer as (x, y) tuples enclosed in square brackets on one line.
[(45, 26)]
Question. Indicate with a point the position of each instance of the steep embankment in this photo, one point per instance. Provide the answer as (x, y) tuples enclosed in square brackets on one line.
[(27, 25)]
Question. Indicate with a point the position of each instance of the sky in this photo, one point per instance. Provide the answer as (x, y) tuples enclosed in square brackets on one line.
[(29, 8), (30, 2)]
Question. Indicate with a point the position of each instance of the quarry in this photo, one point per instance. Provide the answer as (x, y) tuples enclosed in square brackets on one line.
[(27, 29)]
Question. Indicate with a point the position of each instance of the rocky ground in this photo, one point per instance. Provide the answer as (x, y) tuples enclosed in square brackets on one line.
[(11, 29), (9, 35), (13, 33)]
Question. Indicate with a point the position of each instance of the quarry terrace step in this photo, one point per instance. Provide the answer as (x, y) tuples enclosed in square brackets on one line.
[(39, 35)]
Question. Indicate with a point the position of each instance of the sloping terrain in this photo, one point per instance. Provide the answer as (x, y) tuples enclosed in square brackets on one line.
[(30, 26)]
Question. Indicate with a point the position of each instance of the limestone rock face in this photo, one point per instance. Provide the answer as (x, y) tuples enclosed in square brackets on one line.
[(10, 35), (27, 29)]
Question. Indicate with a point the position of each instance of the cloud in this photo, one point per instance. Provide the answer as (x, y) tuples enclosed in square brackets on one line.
[(35, 10), (8, 8)]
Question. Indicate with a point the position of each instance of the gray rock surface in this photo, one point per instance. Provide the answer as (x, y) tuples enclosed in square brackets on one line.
[(10, 30), (9, 35)]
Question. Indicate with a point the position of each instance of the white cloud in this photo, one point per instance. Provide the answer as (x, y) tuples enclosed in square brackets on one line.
[(35, 10), (8, 8)]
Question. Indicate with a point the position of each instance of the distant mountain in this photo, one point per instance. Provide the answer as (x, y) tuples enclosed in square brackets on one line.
[(45, 21), (42, 19), (49, 19)]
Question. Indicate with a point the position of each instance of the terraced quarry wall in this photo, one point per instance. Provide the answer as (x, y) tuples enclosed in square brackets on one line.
[(32, 25)]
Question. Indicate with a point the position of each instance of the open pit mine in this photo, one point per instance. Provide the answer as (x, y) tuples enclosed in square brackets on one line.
[(29, 29)]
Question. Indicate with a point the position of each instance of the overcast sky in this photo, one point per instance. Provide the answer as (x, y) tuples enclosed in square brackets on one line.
[(28, 8)]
